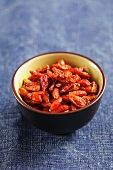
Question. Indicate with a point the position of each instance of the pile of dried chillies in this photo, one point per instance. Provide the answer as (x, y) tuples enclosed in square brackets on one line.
[(58, 88)]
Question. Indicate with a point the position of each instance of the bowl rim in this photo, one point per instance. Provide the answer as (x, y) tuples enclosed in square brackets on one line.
[(60, 113)]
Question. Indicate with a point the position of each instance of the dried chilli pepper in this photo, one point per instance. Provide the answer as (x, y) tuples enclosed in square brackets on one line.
[(58, 88)]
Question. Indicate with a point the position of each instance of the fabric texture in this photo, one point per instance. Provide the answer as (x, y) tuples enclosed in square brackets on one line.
[(29, 28)]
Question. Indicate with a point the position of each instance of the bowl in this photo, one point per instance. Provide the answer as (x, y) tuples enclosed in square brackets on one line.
[(61, 123)]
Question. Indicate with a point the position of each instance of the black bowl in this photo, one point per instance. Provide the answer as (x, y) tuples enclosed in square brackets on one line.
[(60, 123)]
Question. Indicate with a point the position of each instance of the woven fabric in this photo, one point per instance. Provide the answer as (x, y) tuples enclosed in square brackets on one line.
[(29, 28)]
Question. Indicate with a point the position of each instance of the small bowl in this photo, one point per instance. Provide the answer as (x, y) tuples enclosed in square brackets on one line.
[(61, 123)]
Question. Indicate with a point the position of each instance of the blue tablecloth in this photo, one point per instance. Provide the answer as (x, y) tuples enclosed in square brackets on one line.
[(29, 28)]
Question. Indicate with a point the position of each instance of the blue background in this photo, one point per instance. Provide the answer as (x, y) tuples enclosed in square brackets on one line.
[(34, 27)]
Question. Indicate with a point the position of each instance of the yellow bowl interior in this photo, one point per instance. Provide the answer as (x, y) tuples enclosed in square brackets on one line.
[(74, 60)]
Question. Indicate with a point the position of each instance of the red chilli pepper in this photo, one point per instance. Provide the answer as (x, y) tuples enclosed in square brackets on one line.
[(58, 88)]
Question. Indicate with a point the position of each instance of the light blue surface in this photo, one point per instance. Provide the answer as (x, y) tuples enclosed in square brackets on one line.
[(29, 28)]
